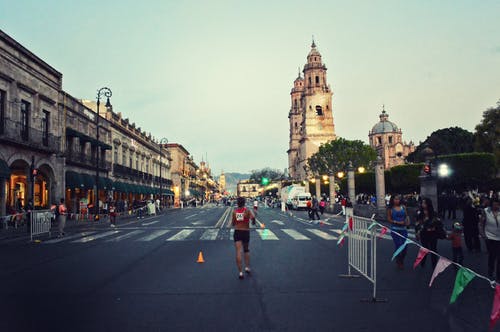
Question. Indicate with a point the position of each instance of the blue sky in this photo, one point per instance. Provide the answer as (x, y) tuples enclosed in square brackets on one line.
[(215, 76)]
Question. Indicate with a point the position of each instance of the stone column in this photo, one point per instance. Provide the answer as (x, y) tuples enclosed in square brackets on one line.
[(350, 183), (3, 197), (331, 179), (307, 185), (318, 187), (428, 182), (380, 186)]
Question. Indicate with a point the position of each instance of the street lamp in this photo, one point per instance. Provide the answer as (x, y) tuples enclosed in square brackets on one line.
[(162, 141), (340, 175), (102, 92), (443, 170)]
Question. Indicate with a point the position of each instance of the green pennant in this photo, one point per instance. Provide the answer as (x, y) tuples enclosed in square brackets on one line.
[(464, 276), (373, 224)]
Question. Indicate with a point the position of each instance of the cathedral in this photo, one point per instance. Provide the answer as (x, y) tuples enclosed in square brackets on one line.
[(310, 117)]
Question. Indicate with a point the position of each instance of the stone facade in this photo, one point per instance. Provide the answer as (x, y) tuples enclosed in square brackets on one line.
[(386, 138), (310, 117), (248, 189), (222, 183)]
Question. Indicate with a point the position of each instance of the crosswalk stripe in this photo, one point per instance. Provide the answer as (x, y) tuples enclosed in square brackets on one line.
[(295, 235), (231, 234), (95, 237), (125, 236), (154, 235), (182, 235), (321, 234), (65, 238), (266, 234), (210, 234)]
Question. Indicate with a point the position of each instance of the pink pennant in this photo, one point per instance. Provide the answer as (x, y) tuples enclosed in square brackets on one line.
[(383, 231), (351, 223), (421, 254), (495, 310), (441, 265)]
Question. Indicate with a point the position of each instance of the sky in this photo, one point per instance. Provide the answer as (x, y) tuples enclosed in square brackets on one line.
[(215, 76)]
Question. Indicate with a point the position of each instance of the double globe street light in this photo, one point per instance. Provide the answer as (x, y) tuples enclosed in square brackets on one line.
[(162, 142)]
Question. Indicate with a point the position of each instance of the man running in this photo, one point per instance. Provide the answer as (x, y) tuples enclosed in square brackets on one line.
[(241, 223), (255, 205)]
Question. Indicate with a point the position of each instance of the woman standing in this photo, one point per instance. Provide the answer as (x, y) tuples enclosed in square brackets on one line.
[(431, 229), (398, 218), (490, 230), (471, 227)]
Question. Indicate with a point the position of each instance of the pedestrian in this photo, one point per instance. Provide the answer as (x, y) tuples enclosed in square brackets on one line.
[(29, 209), (471, 226), (309, 208), (315, 208), (255, 205), (61, 222), (456, 243), (241, 222), (430, 229), (322, 205), (398, 218), (112, 215), (343, 203), (490, 230)]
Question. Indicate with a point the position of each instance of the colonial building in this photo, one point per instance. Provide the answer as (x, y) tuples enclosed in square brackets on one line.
[(310, 116), (222, 183), (30, 129), (183, 171), (386, 138), (248, 189)]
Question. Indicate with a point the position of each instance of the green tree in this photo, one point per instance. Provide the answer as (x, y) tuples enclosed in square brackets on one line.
[(256, 175), (445, 141), (334, 156), (487, 135)]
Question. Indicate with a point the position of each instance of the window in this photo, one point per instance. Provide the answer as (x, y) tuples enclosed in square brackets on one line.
[(45, 127), (130, 160), (309, 80), (25, 112), (390, 139), (295, 103), (319, 110), (137, 161), (317, 79), (115, 156), (379, 140), (2, 111), (124, 156)]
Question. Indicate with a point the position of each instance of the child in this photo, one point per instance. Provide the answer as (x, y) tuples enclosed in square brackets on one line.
[(456, 243)]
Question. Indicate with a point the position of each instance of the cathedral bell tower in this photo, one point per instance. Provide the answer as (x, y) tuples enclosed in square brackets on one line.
[(311, 117)]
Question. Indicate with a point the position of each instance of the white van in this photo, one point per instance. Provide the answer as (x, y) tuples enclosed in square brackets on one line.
[(300, 201)]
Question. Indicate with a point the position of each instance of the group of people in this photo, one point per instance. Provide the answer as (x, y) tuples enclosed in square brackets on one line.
[(481, 219), (315, 207)]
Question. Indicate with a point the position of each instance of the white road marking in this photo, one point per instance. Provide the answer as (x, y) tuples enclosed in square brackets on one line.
[(95, 237), (150, 223), (154, 235), (231, 234), (182, 235), (322, 234), (191, 216), (278, 222), (295, 235), (266, 234), (210, 234), (64, 238), (125, 236)]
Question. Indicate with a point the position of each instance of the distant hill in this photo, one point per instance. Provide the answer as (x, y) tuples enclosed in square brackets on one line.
[(232, 180)]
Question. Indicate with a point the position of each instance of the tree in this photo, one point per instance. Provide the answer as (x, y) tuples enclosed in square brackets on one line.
[(334, 156), (445, 141), (268, 173), (487, 135)]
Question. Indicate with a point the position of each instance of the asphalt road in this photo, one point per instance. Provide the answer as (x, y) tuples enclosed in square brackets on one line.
[(143, 276)]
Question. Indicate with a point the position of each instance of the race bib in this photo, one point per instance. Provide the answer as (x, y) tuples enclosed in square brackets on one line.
[(240, 216)]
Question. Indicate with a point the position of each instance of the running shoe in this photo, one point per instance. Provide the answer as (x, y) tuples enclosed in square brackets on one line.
[(241, 275), (247, 270)]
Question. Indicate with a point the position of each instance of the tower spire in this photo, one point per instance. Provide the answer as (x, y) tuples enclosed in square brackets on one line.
[(313, 45), (299, 76)]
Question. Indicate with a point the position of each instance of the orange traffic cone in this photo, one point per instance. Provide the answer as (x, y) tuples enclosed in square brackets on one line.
[(200, 258)]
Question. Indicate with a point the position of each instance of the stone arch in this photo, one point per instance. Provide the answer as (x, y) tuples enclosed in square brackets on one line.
[(46, 169)]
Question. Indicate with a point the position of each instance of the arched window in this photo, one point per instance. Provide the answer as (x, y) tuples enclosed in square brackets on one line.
[(309, 80), (317, 79), (319, 110), (295, 103)]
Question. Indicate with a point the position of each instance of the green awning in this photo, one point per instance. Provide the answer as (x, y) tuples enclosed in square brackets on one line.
[(4, 169), (105, 183), (167, 192), (88, 181), (73, 180)]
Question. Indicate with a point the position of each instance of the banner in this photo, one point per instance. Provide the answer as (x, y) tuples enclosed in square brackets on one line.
[(495, 311), (464, 276), (401, 248), (441, 265), (421, 254)]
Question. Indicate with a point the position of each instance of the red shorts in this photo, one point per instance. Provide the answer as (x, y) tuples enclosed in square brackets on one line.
[(255, 208)]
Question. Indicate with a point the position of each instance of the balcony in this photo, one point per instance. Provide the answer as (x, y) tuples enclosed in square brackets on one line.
[(85, 161), (14, 132)]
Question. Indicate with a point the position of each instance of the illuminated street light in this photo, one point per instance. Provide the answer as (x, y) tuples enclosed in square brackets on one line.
[(325, 177), (361, 169), (443, 170), (340, 175), (313, 180)]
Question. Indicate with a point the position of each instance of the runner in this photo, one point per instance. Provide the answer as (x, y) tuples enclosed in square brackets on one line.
[(241, 222), (255, 205)]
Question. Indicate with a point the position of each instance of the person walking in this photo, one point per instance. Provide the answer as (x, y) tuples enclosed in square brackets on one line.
[(471, 226), (241, 222), (112, 215), (430, 229), (456, 243), (61, 222), (314, 208), (490, 231), (398, 218), (322, 205)]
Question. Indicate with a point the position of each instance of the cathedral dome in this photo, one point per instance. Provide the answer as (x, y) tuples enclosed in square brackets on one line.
[(384, 125)]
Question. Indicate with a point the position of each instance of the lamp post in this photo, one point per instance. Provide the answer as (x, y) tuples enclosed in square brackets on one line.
[(162, 141), (102, 92)]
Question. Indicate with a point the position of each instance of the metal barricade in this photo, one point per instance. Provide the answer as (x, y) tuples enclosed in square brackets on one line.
[(40, 222), (362, 251)]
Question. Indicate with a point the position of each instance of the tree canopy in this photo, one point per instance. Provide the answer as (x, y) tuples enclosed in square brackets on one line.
[(487, 135), (445, 141), (267, 172), (334, 156)]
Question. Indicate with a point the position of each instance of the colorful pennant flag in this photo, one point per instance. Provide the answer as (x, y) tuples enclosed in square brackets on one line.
[(464, 276), (351, 223), (383, 231), (441, 265), (344, 228), (341, 240), (421, 254), (401, 248), (495, 310), (373, 224)]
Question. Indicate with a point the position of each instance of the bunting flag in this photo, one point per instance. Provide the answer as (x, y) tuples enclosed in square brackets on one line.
[(421, 254), (464, 276), (495, 310), (373, 224), (341, 240), (401, 248), (383, 231), (441, 265), (344, 228), (351, 223)]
